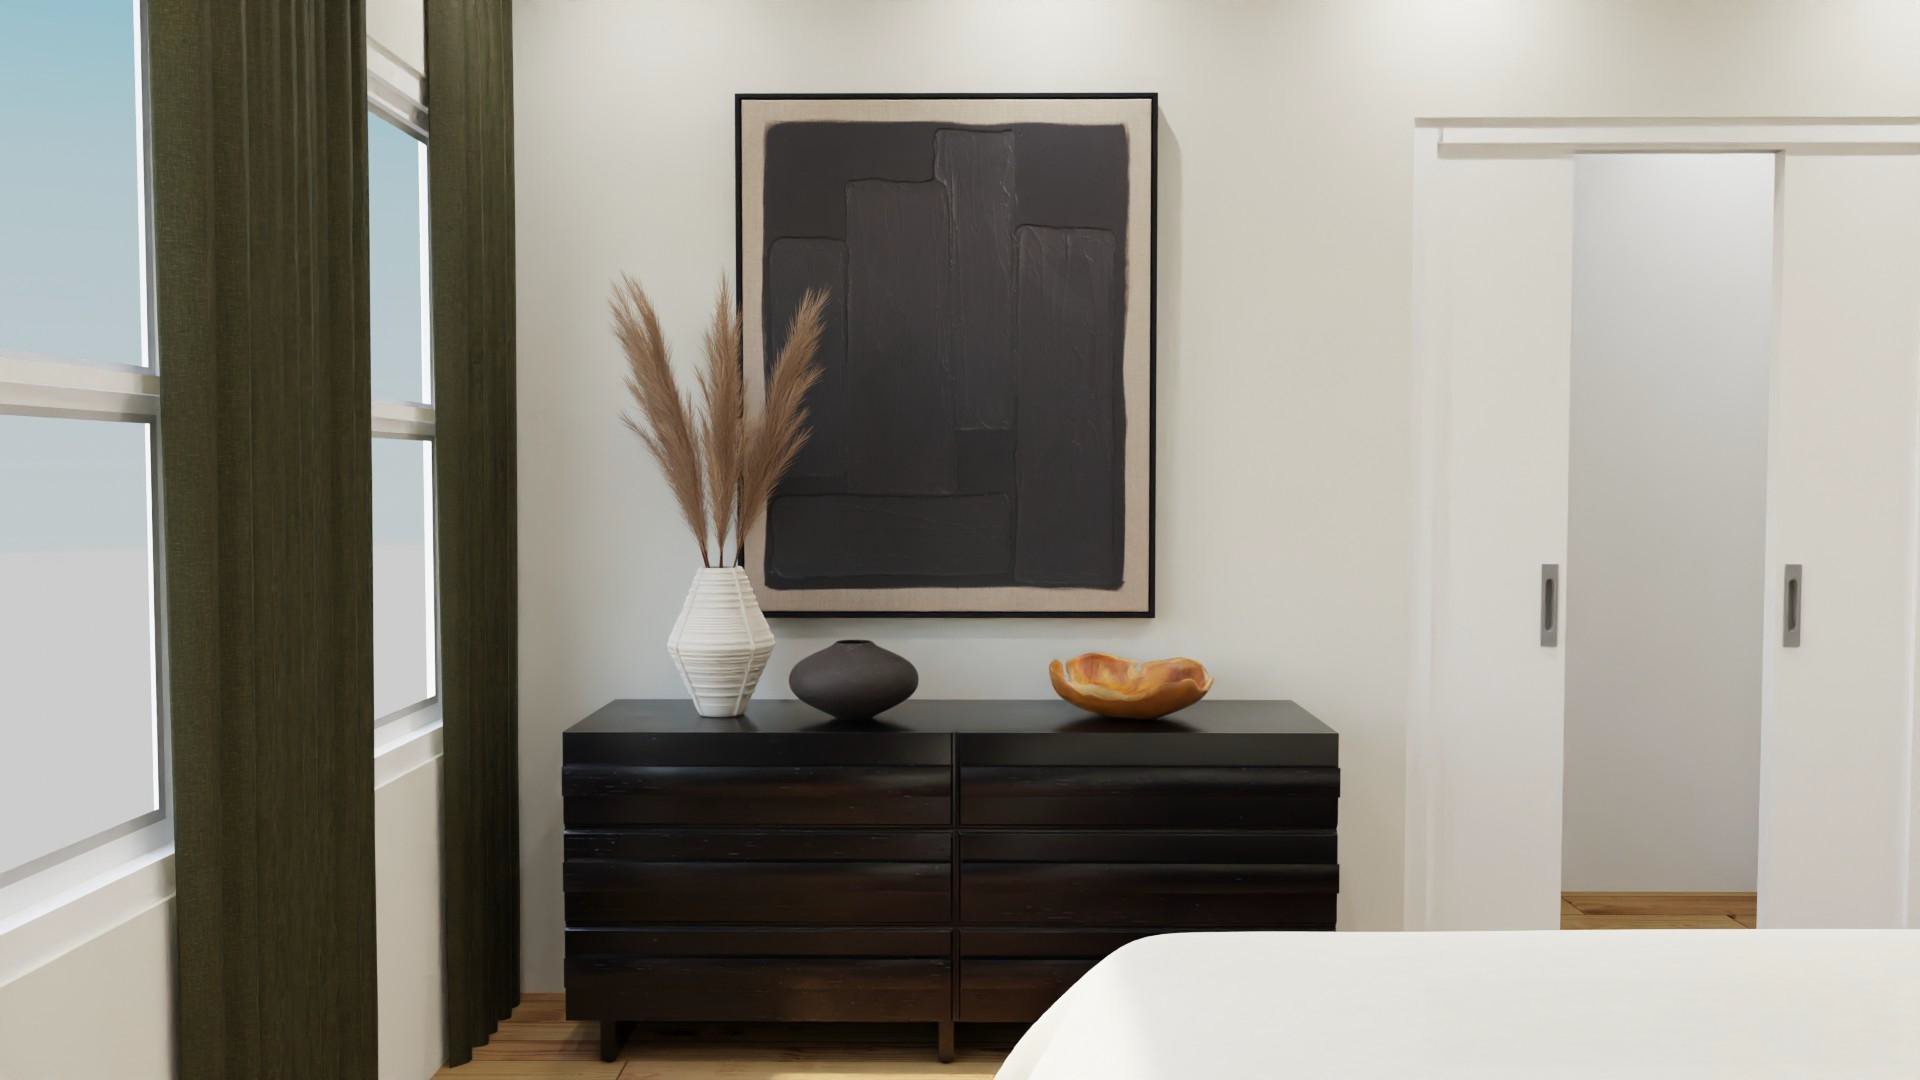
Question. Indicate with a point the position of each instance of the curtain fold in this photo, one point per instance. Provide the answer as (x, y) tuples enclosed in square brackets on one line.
[(470, 194), (258, 128)]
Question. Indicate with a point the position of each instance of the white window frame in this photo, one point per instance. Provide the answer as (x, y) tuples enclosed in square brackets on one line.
[(396, 92), (130, 862)]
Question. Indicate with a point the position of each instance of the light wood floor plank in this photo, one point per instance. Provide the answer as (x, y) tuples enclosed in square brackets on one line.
[(1649, 922), (816, 1063), (537, 1045), (534, 1070), (1660, 903)]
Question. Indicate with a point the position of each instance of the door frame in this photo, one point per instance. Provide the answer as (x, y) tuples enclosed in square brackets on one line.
[(1435, 140)]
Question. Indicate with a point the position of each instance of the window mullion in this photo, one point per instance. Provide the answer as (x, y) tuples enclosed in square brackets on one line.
[(40, 386), (402, 420)]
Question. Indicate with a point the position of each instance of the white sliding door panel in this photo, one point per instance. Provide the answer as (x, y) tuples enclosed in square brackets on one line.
[(1489, 699), (1835, 804)]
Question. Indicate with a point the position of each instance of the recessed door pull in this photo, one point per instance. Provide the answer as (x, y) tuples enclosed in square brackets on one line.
[(1550, 604), (1790, 619)]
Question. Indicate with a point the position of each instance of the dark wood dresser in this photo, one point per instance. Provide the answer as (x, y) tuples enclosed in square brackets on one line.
[(955, 861)]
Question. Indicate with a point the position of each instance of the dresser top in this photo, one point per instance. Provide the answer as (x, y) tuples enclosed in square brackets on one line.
[(674, 715)]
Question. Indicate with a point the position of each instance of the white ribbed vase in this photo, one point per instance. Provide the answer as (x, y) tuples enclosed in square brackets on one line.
[(721, 641)]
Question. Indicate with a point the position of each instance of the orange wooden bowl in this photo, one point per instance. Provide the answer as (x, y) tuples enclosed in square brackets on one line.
[(1116, 686)]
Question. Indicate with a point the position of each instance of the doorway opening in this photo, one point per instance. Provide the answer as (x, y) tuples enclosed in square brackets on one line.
[(1672, 316)]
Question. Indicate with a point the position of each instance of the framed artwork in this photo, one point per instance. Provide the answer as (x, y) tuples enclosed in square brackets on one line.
[(983, 435)]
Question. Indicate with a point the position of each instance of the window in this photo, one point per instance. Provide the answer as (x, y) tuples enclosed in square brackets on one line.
[(405, 604), (397, 263), (82, 746), (403, 583), (72, 194), (76, 639)]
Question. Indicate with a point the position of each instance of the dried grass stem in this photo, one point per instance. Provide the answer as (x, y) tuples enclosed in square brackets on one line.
[(720, 464)]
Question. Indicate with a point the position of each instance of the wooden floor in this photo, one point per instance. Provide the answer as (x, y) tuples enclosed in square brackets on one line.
[(539, 1043), (1656, 911)]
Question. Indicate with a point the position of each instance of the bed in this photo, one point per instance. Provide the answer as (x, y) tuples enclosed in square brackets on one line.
[(1639, 1003)]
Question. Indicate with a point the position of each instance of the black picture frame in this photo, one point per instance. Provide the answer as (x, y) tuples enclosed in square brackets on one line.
[(1149, 608)]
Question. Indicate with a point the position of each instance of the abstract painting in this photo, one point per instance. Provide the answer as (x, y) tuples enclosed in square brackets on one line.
[(982, 435)]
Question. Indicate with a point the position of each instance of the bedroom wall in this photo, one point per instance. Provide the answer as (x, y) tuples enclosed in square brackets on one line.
[(400, 27), (102, 1008), (1285, 482), (406, 874)]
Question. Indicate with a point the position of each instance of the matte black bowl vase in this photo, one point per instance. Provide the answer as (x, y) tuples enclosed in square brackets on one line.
[(854, 680)]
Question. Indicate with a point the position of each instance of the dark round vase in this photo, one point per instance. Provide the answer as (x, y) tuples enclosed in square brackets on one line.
[(854, 680)]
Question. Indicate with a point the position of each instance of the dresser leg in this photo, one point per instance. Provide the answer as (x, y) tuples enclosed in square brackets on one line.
[(612, 1034), (946, 1040)]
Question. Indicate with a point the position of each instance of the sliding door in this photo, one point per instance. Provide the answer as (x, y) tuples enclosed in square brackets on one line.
[(1495, 264), (1838, 818), (1836, 746)]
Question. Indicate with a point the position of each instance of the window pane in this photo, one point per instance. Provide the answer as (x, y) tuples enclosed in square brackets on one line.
[(78, 731), (396, 169), (70, 187), (403, 582)]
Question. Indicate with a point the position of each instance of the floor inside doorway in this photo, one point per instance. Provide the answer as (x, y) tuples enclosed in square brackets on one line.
[(1656, 910)]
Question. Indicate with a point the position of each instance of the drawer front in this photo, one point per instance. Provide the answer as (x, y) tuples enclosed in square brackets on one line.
[(1012, 976), (1000, 991), (602, 948), (757, 989), (774, 845), (1250, 739), (601, 892), (1156, 846), (756, 795), (1253, 798), (1161, 895), (831, 743)]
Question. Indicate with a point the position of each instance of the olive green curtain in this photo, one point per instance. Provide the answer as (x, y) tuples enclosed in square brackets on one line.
[(258, 127), (470, 192)]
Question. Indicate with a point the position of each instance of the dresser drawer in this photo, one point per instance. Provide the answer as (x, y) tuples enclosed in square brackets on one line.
[(759, 989), (1012, 976), (1156, 846), (602, 794), (603, 947), (1187, 797), (1188, 896), (825, 877), (772, 845), (1001, 991)]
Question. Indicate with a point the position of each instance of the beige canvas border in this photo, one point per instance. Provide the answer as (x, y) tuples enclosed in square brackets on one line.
[(1136, 116)]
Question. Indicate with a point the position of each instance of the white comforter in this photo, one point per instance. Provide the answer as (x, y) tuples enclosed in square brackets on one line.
[(1644, 1003)]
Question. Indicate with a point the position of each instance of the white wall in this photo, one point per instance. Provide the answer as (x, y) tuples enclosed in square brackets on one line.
[(400, 26), (1672, 313), (102, 1009), (406, 817), (1285, 261)]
